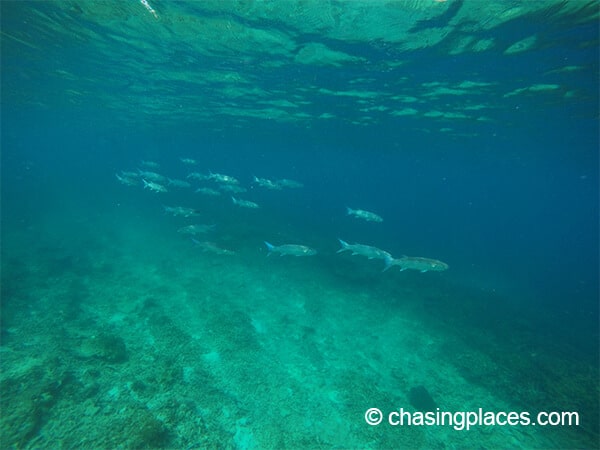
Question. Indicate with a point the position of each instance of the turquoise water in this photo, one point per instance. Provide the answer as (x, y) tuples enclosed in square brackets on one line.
[(136, 318)]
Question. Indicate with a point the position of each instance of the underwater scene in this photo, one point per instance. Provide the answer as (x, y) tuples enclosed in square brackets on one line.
[(299, 224)]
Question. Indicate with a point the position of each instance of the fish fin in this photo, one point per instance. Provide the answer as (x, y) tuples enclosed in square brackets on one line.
[(349, 211), (424, 270), (388, 262), (270, 247), (344, 245)]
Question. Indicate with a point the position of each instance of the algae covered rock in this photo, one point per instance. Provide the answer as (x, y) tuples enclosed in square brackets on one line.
[(421, 400), (107, 347)]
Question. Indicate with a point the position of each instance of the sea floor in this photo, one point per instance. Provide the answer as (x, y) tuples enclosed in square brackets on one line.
[(118, 334)]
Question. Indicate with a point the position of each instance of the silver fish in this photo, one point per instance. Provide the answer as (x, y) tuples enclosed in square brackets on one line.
[(290, 249), (126, 180), (225, 179), (365, 215), (364, 250), (289, 183), (244, 203), (232, 188), (181, 211), (179, 183), (416, 263), (196, 229), (153, 176), (150, 164), (207, 191), (198, 176), (211, 247), (153, 186), (268, 184)]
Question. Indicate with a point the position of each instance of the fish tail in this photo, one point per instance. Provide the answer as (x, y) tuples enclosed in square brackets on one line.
[(344, 245), (349, 210), (270, 247), (388, 262)]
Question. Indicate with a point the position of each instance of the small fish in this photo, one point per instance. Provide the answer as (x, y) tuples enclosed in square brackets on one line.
[(179, 183), (181, 211), (290, 249), (364, 250), (416, 263), (244, 203), (153, 186), (196, 229), (365, 215), (188, 161)]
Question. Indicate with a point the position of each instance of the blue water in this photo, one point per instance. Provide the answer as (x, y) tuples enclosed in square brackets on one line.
[(504, 189)]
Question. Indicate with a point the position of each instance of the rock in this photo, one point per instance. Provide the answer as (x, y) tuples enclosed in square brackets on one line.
[(421, 400)]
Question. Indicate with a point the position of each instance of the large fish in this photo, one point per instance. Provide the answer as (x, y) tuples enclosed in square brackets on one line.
[(244, 203), (364, 250), (365, 215), (416, 263), (266, 183), (196, 229), (211, 247), (181, 211), (290, 249), (156, 187)]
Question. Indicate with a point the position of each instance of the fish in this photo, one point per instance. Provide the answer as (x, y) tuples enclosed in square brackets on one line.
[(225, 179), (129, 174), (153, 176), (153, 186), (364, 250), (416, 263), (181, 211), (126, 180), (244, 203), (150, 164), (196, 229), (211, 247), (207, 191), (289, 183), (266, 183), (189, 161), (365, 215), (179, 183), (198, 176), (290, 249), (232, 188)]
